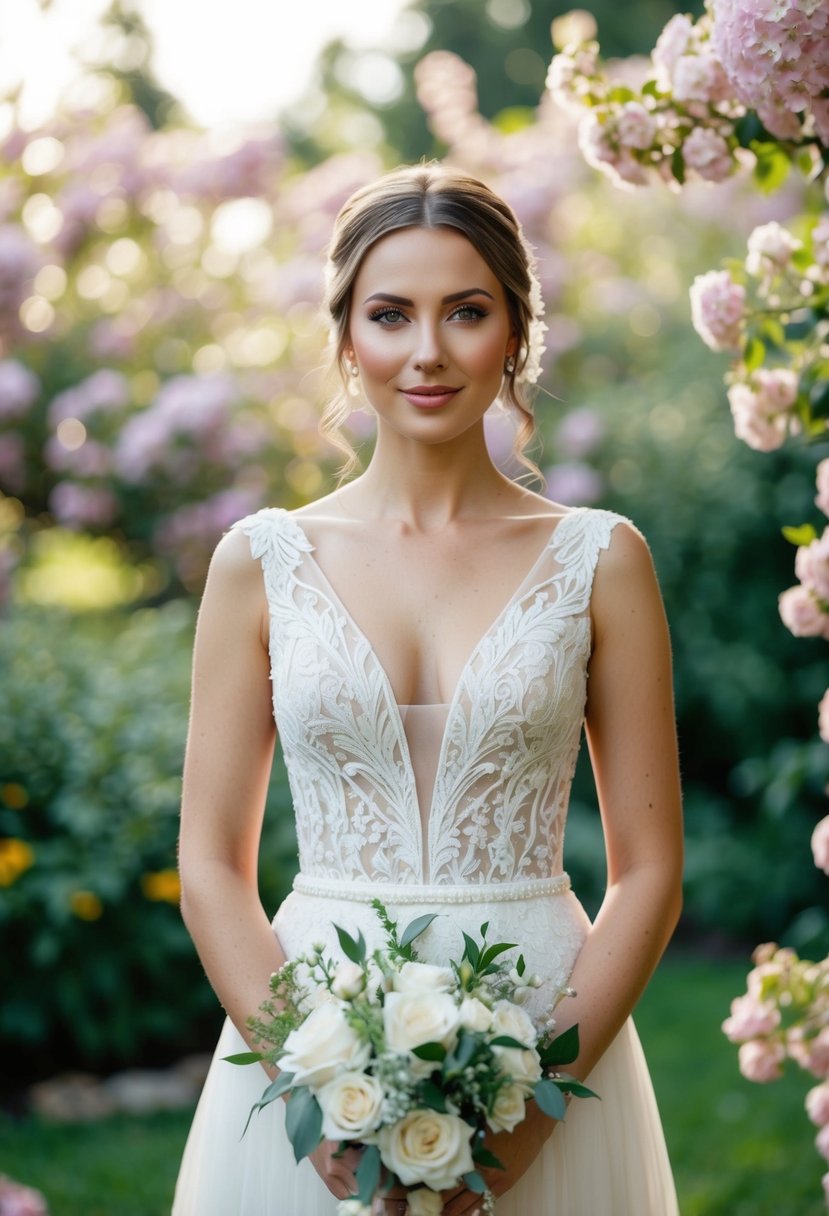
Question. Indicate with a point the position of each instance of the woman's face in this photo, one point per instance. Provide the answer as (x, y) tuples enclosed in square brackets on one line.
[(429, 330)]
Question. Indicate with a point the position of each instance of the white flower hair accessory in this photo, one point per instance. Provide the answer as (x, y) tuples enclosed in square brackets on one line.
[(530, 369)]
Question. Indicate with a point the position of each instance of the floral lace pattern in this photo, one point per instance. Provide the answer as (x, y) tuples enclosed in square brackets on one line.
[(510, 743)]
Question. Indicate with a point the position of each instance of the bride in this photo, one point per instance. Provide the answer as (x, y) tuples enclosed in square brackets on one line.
[(429, 640)]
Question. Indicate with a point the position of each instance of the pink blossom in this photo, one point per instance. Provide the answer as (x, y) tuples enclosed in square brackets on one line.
[(635, 126), (104, 391), (825, 1178), (75, 505), (811, 565), (770, 249), (579, 433), (762, 432), (19, 262), (673, 42), (761, 1060), (801, 613), (750, 1018), (822, 1141), (708, 154), (19, 1200), (810, 1052), (822, 496), (820, 844), (598, 146), (192, 408), (717, 309), (700, 78), (573, 483), (91, 459), (19, 388), (817, 1104)]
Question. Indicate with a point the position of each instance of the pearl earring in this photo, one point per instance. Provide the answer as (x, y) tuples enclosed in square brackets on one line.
[(354, 369), (509, 364)]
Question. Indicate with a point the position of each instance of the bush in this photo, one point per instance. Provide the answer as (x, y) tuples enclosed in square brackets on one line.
[(97, 964)]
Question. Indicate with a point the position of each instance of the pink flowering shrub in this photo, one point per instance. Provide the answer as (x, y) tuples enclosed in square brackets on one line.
[(19, 1200)]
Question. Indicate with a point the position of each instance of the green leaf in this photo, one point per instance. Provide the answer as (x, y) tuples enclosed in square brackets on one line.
[(749, 129), (416, 927), (277, 1088), (432, 1095), (550, 1099), (506, 1040), (245, 1057), (569, 1085), (368, 1173), (471, 952), (484, 928), (772, 167), (678, 166), (492, 952), (458, 1059), (563, 1049), (520, 966), (513, 119), (303, 1122), (621, 93), (354, 950), (650, 89), (483, 1156), (754, 354), (474, 1182), (430, 1051), (804, 535)]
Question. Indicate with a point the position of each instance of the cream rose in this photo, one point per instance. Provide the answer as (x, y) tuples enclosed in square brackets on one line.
[(349, 981), (424, 1202), (507, 1018), (412, 1019), (523, 1066), (474, 1014), (423, 977), (508, 1109), (323, 1046), (351, 1105), (427, 1147)]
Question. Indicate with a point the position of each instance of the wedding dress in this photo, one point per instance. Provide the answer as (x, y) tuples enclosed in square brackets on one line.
[(457, 809)]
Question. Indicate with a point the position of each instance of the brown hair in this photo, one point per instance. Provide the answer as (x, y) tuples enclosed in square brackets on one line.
[(428, 196)]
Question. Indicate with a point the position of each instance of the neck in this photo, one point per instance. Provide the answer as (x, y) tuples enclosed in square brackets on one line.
[(429, 485)]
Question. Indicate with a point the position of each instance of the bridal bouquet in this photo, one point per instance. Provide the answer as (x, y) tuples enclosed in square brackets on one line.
[(411, 1062)]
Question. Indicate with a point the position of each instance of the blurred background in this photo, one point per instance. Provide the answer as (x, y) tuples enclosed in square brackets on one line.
[(168, 180)]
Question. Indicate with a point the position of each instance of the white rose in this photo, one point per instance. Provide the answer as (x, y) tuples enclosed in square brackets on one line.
[(351, 1105), (508, 1109), (412, 1019), (349, 981), (474, 1014), (423, 977), (523, 1066), (323, 1046), (424, 1202), (427, 1147), (353, 1207), (507, 1018)]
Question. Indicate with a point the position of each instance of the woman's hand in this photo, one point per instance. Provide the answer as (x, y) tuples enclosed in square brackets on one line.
[(517, 1150), (337, 1172)]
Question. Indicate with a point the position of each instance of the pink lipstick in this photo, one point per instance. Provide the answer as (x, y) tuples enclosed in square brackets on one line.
[(429, 396)]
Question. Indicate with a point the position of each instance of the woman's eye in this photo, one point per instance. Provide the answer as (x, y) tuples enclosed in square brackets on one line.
[(389, 315), (470, 312)]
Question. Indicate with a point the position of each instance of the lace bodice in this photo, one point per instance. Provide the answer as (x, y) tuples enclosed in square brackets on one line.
[(510, 734)]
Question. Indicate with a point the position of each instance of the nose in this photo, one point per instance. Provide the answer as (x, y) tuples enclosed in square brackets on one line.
[(429, 353)]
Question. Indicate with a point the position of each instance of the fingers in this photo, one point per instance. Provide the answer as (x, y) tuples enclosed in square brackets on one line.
[(462, 1203)]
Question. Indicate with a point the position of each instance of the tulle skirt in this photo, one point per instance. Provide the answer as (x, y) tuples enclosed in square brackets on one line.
[(607, 1159)]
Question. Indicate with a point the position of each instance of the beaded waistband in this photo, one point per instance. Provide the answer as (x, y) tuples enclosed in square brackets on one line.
[(414, 893)]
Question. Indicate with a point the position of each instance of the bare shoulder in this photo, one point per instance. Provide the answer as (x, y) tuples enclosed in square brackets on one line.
[(235, 585), (232, 560), (625, 585)]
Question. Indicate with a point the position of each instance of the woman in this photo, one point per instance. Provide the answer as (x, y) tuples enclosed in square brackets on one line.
[(428, 629)]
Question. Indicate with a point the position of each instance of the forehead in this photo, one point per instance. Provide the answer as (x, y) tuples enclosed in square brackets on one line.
[(424, 261)]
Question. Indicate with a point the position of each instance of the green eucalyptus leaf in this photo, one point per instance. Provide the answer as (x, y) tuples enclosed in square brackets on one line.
[(550, 1099), (368, 1173), (245, 1057), (482, 1156), (432, 1095), (416, 927), (354, 949), (303, 1122), (474, 1182), (492, 952), (506, 1040), (563, 1049), (430, 1051)]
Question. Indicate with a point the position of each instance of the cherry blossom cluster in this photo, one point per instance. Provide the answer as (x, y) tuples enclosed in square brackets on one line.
[(771, 58), (785, 1014), (776, 55), (753, 311), (804, 608)]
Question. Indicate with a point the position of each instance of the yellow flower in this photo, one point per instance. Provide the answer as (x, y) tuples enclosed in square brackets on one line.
[(16, 856), (86, 905), (162, 885), (14, 795)]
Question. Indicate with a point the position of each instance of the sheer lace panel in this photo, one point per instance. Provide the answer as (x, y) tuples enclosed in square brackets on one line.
[(500, 770)]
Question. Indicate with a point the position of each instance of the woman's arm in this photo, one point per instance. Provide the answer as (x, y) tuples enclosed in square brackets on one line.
[(226, 770), (632, 740)]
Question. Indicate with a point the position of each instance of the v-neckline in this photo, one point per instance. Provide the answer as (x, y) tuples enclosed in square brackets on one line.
[(336, 598), (395, 707)]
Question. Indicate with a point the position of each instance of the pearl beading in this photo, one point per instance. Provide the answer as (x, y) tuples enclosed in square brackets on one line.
[(468, 893)]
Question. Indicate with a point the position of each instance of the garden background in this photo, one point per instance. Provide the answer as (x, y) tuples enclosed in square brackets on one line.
[(160, 355)]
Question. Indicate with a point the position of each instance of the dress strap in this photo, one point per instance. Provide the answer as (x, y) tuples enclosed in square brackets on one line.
[(278, 543)]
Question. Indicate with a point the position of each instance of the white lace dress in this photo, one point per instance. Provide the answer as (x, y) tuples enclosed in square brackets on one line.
[(458, 809)]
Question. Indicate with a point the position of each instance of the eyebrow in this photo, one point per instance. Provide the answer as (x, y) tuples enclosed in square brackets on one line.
[(453, 299)]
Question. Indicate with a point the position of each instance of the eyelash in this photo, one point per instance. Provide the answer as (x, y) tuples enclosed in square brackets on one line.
[(478, 313)]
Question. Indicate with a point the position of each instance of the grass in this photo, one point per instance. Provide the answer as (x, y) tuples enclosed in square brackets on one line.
[(737, 1149)]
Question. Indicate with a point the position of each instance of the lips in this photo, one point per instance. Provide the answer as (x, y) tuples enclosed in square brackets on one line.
[(430, 396)]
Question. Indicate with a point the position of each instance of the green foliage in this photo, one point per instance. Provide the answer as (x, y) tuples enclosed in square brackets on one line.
[(97, 965)]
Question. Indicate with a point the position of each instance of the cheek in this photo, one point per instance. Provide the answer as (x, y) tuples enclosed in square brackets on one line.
[(378, 354)]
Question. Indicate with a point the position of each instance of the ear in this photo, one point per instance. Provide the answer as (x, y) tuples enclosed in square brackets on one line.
[(512, 345)]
